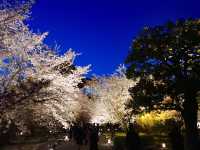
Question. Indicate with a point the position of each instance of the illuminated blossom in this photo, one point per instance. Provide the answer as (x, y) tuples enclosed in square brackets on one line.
[(37, 86), (111, 95)]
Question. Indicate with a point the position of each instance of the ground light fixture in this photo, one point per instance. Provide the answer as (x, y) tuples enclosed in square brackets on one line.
[(66, 139), (198, 124), (109, 141), (163, 145)]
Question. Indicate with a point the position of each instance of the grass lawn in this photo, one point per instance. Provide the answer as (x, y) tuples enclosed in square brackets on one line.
[(148, 141)]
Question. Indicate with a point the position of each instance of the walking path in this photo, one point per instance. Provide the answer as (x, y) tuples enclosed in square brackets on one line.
[(47, 146)]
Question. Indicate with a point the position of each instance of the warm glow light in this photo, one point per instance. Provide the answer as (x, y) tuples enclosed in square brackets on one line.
[(198, 124), (163, 145), (99, 133), (109, 141), (66, 138)]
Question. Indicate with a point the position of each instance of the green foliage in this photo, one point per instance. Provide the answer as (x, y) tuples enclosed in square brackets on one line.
[(148, 141)]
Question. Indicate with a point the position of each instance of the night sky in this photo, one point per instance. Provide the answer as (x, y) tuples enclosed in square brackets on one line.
[(102, 30)]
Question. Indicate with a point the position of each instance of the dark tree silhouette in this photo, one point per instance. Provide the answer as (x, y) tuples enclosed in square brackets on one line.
[(167, 60)]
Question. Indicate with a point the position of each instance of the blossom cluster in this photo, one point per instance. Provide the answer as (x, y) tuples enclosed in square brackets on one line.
[(37, 85)]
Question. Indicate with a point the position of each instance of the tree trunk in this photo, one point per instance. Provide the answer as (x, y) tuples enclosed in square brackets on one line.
[(190, 118)]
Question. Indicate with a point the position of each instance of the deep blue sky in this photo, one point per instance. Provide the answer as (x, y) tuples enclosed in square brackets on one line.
[(102, 30)]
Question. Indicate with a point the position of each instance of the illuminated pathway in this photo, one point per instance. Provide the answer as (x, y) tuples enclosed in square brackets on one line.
[(60, 146)]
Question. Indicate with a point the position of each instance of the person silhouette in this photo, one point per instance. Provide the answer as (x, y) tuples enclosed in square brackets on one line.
[(132, 139), (176, 137), (78, 135), (94, 138)]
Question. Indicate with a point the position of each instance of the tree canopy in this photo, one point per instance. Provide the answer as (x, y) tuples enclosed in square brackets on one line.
[(167, 60), (37, 85), (169, 55)]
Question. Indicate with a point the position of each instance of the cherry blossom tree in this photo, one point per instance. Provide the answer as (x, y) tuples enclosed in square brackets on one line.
[(36, 84), (111, 95)]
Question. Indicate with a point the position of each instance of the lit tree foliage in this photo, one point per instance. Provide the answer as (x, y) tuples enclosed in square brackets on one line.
[(156, 118), (110, 94), (37, 86)]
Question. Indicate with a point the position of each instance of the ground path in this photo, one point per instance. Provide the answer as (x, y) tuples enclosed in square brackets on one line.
[(60, 145)]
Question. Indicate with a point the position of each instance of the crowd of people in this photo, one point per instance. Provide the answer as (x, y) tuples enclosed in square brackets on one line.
[(88, 134), (85, 134)]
